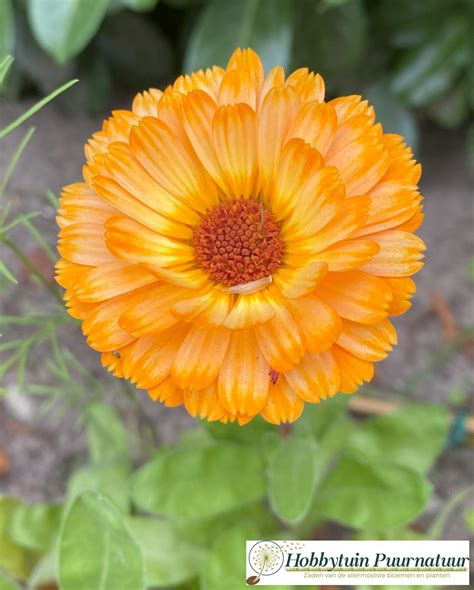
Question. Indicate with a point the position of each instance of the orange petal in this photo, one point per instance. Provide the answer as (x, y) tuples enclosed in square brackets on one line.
[(412, 224), (348, 254), (199, 359), (111, 279), (116, 128), (84, 243), (187, 276), (168, 393), (144, 103), (283, 404), (205, 310), (299, 166), (129, 240), (316, 377), (169, 111), (316, 124), (298, 282), (122, 165), (354, 371), (249, 310), (276, 116), (116, 196), (275, 77), (280, 340), (320, 196), (152, 312), (356, 296), (205, 403), (351, 106), (243, 80), (208, 80), (318, 322), (400, 254), (68, 274), (370, 343), (234, 130), (150, 359), (101, 325), (175, 167), (78, 204), (402, 291), (310, 86), (244, 379)]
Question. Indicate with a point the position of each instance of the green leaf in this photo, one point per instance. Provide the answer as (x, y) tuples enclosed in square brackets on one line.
[(469, 519), (7, 583), (110, 479), (292, 478), (7, 28), (5, 271), (316, 418), (413, 436), (5, 65), (14, 560), (333, 41), (35, 526), (263, 25), (140, 5), (250, 433), (44, 572), (96, 550), (451, 109), (426, 72), (169, 559), (221, 478), (106, 435), (63, 29), (372, 496), (394, 117)]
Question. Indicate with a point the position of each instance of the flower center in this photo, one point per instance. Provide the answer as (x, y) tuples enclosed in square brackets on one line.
[(238, 242)]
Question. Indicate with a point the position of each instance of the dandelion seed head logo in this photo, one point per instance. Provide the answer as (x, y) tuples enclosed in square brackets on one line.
[(266, 559)]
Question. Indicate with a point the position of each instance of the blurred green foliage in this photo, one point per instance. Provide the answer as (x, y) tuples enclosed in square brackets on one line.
[(412, 59)]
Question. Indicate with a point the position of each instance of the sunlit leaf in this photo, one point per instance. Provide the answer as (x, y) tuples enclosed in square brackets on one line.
[(221, 478), (7, 583), (35, 526), (96, 550), (264, 25), (16, 561)]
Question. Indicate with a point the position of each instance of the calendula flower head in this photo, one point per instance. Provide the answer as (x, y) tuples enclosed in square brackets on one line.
[(238, 242)]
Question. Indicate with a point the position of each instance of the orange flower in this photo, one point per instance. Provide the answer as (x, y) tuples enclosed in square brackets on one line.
[(238, 243)]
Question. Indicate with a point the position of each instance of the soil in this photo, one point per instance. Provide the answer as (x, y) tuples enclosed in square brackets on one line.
[(37, 452)]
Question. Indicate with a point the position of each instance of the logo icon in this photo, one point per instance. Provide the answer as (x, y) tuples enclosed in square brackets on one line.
[(265, 558)]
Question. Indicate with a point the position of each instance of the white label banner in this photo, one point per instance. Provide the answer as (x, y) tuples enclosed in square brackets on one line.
[(401, 563)]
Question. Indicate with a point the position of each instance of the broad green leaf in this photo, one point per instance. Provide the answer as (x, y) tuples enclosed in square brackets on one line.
[(106, 435), (412, 436), (250, 433), (7, 28), (317, 418), (371, 496), (64, 28), (332, 42), (110, 479), (7, 584), (169, 559), (96, 550), (427, 71), (199, 483), (16, 561), (394, 117), (263, 25), (140, 5), (292, 478), (35, 526)]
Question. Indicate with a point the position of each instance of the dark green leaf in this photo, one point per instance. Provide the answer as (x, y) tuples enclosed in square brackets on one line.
[(63, 29), (140, 5), (426, 72), (263, 25), (332, 41), (372, 496), (35, 526), (221, 478), (394, 117), (96, 550), (292, 478), (169, 559), (7, 28), (412, 436)]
